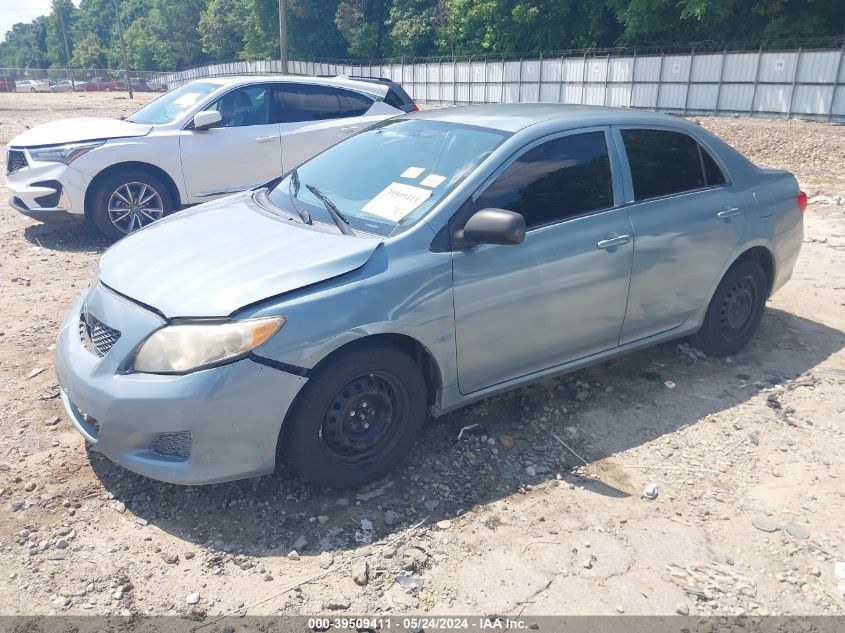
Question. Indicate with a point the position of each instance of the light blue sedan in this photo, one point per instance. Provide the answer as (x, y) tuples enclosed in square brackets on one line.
[(428, 262)]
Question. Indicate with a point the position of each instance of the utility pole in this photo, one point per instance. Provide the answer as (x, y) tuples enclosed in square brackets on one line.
[(123, 50), (283, 35), (67, 51)]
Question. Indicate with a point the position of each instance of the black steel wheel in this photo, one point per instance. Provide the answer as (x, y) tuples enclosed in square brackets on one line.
[(735, 310), (357, 417), (361, 422), (738, 308)]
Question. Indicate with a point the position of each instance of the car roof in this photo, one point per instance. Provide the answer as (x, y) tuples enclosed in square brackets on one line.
[(379, 90), (514, 117)]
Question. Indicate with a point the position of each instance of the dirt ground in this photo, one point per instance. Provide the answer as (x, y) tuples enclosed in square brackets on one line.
[(746, 454)]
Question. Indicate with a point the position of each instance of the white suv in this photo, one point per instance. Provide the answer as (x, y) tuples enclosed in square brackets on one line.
[(202, 140)]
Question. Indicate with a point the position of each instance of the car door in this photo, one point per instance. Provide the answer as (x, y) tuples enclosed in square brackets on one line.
[(561, 294), (243, 151), (314, 117), (687, 221)]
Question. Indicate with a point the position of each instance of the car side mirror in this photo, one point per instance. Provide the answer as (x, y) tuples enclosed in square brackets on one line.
[(494, 226), (207, 119)]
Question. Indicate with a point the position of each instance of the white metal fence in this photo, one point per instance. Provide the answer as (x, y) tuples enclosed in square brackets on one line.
[(801, 83)]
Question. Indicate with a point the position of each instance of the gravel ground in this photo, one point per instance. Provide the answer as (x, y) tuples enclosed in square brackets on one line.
[(745, 455)]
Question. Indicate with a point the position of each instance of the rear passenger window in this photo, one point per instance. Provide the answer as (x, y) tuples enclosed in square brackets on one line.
[(664, 162), (306, 102), (712, 174), (354, 104), (556, 180)]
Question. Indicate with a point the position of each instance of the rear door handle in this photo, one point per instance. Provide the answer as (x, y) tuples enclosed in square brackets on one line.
[(610, 242), (350, 128), (729, 212), (266, 139)]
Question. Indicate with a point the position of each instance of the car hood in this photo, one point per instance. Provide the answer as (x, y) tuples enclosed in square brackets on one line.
[(77, 130), (212, 259)]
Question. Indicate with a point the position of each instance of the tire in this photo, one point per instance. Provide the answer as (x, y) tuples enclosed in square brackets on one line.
[(33, 90), (386, 389), (107, 206), (735, 310)]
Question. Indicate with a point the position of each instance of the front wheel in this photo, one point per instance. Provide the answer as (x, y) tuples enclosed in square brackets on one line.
[(357, 418), (127, 201), (735, 311)]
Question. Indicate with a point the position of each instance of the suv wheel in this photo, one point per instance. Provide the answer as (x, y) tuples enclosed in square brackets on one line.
[(735, 310), (129, 200), (357, 418)]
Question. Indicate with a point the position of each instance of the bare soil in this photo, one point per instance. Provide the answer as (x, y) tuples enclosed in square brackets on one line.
[(746, 455)]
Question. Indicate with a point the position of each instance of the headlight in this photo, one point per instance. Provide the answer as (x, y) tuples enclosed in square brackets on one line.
[(62, 153), (177, 349)]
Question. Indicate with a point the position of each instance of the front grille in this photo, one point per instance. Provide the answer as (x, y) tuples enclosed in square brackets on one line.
[(97, 337), (176, 445), (15, 161)]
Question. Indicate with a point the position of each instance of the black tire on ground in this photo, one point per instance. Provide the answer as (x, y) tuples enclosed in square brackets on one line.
[(378, 388), (735, 310), (98, 211)]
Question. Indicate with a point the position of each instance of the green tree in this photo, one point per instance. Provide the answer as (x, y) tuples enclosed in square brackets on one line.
[(56, 53), (89, 52), (414, 27), (261, 30), (221, 28), (25, 45), (164, 38), (363, 24), (312, 31)]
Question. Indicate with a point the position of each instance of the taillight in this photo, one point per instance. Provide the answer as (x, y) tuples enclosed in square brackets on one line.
[(416, 109), (802, 201)]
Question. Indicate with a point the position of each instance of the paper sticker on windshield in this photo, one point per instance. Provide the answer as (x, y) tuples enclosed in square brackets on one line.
[(413, 172), (188, 99), (432, 180), (396, 201)]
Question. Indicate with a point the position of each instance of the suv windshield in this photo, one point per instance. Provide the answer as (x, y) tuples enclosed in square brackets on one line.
[(170, 106), (390, 175)]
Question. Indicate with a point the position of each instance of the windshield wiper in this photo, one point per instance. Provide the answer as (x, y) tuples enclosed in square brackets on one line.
[(293, 189), (338, 217)]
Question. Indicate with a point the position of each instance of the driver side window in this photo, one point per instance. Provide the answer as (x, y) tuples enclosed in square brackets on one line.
[(245, 106)]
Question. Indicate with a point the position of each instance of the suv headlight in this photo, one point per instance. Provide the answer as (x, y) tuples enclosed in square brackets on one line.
[(62, 153), (178, 349)]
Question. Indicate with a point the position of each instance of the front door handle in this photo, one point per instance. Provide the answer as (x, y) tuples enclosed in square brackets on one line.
[(728, 212), (266, 139), (350, 128), (610, 242)]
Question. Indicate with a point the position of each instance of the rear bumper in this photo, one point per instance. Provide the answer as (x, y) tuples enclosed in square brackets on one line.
[(228, 418), (787, 248)]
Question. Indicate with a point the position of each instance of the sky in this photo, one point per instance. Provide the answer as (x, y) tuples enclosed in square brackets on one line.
[(14, 11)]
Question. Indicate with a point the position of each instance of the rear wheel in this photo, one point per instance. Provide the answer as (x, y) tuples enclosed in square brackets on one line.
[(735, 310), (357, 418), (129, 200)]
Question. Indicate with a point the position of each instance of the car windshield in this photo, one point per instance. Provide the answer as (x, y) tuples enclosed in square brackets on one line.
[(388, 176), (168, 107)]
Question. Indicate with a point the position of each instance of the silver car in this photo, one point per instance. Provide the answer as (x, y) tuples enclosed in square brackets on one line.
[(428, 262), (32, 85), (65, 85)]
